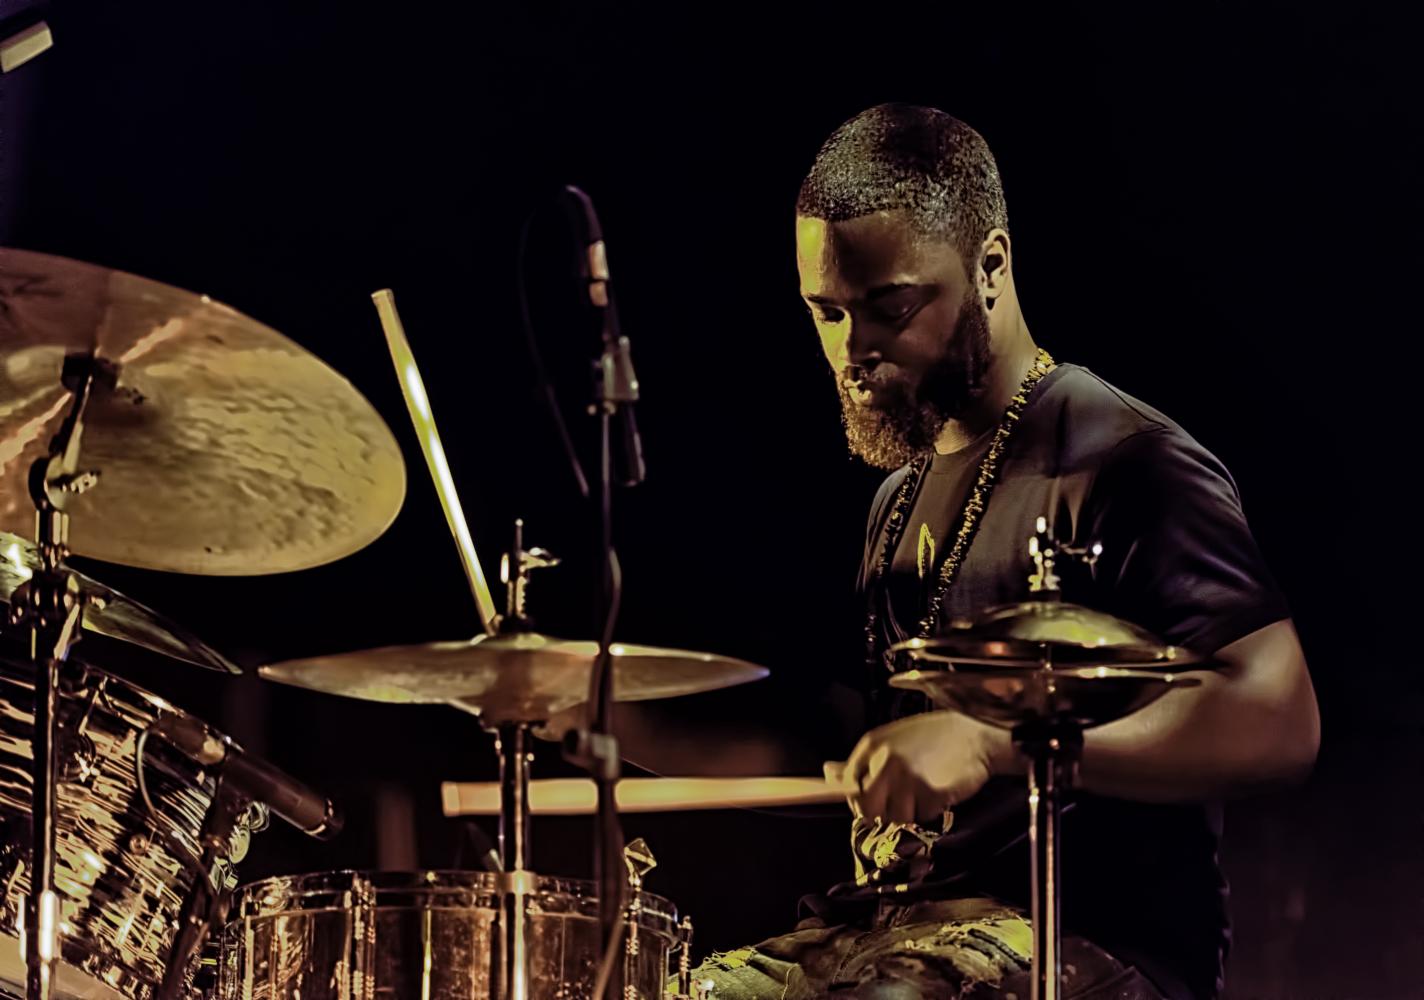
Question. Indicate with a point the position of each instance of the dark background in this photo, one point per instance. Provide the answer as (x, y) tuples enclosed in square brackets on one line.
[(1215, 209)]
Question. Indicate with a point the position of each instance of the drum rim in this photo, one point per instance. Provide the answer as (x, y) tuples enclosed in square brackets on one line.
[(654, 906)]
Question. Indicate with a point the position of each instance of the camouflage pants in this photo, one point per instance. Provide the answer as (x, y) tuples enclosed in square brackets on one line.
[(962, 948)]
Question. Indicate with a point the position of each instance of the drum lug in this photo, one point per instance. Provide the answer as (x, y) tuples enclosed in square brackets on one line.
[(684, 959), (79, 763), (79, 757)]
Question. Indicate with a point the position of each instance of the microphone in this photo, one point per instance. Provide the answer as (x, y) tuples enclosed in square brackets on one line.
[(309, 812), (619, 381)]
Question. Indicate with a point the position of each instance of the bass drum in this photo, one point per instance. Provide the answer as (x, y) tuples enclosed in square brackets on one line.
[(425, 936), (123, 861)]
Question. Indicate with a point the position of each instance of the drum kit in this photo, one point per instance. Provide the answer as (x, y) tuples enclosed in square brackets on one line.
[(152, 427)]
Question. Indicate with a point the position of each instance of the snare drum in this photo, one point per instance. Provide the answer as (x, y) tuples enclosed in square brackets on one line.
[(122, 864), (425, 936)]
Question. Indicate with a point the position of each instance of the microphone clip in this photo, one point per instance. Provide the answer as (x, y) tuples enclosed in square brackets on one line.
[(616, 382)]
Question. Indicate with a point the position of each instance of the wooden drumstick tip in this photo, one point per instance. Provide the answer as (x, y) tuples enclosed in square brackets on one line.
[(19, 49)]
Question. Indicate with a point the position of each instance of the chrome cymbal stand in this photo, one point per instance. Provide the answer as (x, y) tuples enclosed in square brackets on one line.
[(1053, 745), (516, 882), (51, 605)]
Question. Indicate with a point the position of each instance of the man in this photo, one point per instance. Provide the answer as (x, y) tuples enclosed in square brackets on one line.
[(906, 264)]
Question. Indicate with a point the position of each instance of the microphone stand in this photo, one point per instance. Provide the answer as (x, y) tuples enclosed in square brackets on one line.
[(596, 748), (615, 389), (206, 904)]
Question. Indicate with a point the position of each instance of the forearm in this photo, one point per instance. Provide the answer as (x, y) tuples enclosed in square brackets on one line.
[(1251, 724)]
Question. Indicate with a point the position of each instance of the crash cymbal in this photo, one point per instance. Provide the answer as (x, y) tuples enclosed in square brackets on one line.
[(521, 677), (1010, 696), (225, 448), (107, 612), (1019, 635)]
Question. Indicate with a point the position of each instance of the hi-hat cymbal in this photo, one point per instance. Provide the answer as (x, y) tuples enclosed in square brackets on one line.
[(1020, 634), (107, 612), (1045, 661), (1010, 696), (225, 449), (520, 677)]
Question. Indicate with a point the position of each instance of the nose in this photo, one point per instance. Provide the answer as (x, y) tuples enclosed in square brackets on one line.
[(862, 348), (851, 346)]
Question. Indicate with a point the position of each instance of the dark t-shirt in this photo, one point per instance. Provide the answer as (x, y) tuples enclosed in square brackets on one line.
[(1141, 880)]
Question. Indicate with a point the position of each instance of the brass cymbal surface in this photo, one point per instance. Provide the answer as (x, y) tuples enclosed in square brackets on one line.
[(224, 449), (1044, 661), (1013, 696), (1022, 634), (524, 676), (108, 612)]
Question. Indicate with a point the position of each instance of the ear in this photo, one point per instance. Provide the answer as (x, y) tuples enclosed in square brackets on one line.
[(995, 266)]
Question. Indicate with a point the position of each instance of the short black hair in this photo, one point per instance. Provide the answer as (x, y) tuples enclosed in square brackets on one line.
[(913, 159)]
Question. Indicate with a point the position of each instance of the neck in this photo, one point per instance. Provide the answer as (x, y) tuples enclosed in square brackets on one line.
[(1015, 356)]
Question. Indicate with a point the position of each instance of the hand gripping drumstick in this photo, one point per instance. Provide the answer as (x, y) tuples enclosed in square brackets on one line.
[(418, 403)]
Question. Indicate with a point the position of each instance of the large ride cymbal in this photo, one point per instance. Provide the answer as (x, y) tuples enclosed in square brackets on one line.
[(225, 449), (520, 677), (109, 613), (1045, 662)]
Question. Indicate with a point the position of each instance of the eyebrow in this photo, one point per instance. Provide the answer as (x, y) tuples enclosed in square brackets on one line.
[(879, 292)]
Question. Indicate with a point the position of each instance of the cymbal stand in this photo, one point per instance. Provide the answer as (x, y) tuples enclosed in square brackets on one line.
[(516, 882), (1053, 747), (52, 606)]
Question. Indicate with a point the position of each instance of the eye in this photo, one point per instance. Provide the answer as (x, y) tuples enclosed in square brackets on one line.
[(827, 314), (895, 312)]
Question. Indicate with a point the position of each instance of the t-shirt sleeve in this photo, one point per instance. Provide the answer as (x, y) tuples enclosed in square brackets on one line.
[(1178, 557)]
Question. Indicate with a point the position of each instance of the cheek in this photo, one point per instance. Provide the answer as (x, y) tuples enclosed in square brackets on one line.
[(833, 344), (927, 337)]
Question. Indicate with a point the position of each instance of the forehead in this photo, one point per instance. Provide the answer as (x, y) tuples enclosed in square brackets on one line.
[(844, 259)]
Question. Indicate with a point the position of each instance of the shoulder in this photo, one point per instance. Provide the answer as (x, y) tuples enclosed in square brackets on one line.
[(1091, 425)]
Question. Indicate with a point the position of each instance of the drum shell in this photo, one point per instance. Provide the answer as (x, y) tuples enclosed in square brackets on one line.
[(433, 935), (120, 872)]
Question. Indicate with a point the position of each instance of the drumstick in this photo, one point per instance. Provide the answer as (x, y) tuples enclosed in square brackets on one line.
[(575, 797), (418, 403)]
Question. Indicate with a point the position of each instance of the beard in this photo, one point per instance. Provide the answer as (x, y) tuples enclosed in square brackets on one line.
[(905, 418)]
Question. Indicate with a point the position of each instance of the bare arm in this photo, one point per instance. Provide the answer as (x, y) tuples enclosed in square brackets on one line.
[(1254, 724), (1250, 725)]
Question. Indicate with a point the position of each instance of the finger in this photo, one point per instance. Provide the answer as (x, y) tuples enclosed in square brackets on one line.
[(930, 806), (858, 762), (902, 805), (873, 794), (835, 775)]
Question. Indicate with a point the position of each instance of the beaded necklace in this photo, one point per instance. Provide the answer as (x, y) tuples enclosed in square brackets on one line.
[(969, 518)]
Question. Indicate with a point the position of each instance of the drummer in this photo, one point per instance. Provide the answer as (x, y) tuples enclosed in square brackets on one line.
[(906, 265)]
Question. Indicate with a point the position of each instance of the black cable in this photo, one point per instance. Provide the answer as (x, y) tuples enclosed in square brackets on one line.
[(540, 372)]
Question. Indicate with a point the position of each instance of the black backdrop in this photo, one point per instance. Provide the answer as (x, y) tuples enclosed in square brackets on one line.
[(1214, 209)]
